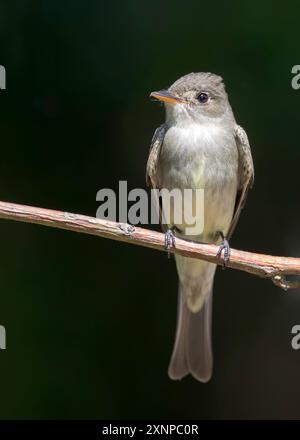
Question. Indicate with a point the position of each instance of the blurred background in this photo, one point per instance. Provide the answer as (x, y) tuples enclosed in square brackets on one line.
[(90, 322)]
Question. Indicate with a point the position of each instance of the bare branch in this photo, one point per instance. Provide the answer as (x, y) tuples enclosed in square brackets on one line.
[(267, 266)]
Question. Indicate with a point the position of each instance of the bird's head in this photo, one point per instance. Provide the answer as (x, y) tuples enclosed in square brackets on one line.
[(197, 97)]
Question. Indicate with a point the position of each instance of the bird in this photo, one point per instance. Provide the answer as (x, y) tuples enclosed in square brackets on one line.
[(199, 146)]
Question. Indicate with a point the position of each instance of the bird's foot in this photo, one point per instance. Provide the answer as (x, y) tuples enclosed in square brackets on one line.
[(169, 240), (225, 248)]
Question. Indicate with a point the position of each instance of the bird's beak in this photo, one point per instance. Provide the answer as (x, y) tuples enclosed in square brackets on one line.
[(166, 96)]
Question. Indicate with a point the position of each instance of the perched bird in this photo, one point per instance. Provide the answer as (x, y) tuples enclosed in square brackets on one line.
[(200, 146)]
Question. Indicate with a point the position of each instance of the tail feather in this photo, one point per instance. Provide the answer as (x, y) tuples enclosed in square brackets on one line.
[(192, 353)]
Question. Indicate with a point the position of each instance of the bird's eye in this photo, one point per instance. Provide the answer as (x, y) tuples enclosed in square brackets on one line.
[(203, 97)]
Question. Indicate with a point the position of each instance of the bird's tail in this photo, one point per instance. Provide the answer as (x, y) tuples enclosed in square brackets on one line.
[(192, 353)]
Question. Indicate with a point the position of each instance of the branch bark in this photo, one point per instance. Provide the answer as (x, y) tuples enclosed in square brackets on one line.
[(266, 266)]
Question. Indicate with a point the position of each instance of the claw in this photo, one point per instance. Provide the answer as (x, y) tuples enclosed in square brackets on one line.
[(224, 247), (169, 240)]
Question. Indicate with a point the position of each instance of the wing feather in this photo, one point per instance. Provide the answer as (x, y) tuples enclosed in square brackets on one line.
[(155, 147), (246, 174)]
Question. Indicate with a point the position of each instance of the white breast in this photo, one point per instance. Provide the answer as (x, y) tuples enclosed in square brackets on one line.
[(203, 156), (198, 155)]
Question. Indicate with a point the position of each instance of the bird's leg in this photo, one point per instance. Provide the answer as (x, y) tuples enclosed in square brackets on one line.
[(224, 246), (170, 239)]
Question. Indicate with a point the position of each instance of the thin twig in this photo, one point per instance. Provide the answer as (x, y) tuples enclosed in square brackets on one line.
[(267, 266)]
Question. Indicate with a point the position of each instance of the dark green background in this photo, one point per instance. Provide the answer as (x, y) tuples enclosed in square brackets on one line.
[(90, 322)]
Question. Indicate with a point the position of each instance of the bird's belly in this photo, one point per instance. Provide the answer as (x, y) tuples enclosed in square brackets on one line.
[(203, 159)]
